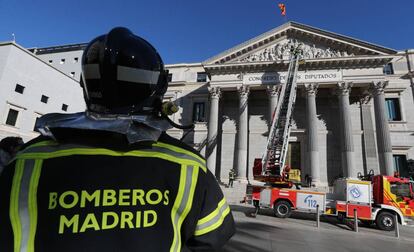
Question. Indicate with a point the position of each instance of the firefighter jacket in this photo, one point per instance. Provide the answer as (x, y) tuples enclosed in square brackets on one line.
[(95, 192)]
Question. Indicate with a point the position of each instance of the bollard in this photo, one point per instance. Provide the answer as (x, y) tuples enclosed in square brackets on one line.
[(318, 217), (355, 220), (397, 227)]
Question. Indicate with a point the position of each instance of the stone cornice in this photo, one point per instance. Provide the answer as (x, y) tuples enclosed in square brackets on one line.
[(310, 64)]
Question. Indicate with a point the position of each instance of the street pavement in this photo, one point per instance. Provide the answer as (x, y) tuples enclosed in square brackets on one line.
[(299, 233)]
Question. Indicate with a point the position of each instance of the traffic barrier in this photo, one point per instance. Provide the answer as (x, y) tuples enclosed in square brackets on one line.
[(355, 220), (397, 227), (318, 216)]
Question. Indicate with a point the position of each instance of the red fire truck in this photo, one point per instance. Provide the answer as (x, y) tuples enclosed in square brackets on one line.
[(376, 199)]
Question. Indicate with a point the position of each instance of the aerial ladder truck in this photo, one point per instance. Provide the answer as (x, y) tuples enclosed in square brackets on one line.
[(376, 198), (271, 167)]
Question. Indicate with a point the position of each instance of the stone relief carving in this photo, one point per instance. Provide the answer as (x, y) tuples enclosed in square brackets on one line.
[(281, 51)]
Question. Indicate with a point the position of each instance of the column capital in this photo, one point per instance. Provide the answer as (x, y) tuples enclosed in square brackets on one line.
[(273, 90), (311, 88), (343, 88), (378, 87), (215, 92), (243, 91)]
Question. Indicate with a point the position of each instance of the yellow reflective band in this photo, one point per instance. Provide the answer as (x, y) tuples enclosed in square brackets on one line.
[(34, 182), (14, 205), (100, 151), (176, 205), (189, 202), (181, 150), (212, 214), (214, 219), (42, 143), (215, 225)]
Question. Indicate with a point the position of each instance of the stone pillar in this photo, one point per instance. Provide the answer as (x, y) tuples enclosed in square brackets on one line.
[(368, 133), (347, 143), (273, 93), (383, 132), (312, 133), (211, 150), (242, 133)]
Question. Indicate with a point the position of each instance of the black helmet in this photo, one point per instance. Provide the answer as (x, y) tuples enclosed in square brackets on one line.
[(122, 74)]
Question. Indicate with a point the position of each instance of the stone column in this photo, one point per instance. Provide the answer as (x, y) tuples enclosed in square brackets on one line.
[(211, 150), (273, 93), (369, 148), (242, 133), (347, 143), (312, 133), (383, 132)]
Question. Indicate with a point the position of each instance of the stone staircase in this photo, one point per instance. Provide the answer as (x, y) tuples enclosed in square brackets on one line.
[(234, 194)]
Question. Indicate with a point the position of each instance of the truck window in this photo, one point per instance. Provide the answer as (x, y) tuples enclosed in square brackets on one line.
[(401, 190)]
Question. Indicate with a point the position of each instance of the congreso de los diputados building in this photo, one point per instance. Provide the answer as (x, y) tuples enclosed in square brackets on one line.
[(354, 109)]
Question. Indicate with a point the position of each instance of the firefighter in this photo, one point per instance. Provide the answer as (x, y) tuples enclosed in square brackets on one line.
[(111, 179), (232, 176)]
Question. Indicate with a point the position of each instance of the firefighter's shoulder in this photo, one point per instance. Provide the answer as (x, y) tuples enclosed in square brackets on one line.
[(173, 144), (38, 141)]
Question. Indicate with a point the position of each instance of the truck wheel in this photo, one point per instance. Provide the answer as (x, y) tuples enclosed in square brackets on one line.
[(282, 209), (385, 221)]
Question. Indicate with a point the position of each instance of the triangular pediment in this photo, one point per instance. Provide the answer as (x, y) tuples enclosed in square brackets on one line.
[(315, 43)]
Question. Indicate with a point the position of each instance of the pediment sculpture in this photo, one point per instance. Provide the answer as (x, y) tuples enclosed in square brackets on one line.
[(281, 51)]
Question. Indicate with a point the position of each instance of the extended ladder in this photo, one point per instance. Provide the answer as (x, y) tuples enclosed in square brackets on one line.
[(273, 159)]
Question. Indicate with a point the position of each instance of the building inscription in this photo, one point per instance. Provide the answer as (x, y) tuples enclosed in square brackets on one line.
[(302, 77)]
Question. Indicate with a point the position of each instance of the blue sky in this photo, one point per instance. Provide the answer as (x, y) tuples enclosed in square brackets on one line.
[(186, 31)]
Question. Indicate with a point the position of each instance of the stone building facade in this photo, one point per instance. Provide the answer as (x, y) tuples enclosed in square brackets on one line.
[(354, 110), (30, 88)]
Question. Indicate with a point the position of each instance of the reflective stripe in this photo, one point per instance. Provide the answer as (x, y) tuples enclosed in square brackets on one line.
[(23, 204), (137, 75), (34, 182), (50, 151), (214, 219), (91, 71), (14, 205), (176, 149), (183, 202)]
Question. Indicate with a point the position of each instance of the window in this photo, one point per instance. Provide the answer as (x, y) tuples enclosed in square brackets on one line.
[(75, 60), (50, 61), (400, 190), (72, 74), (19, 89), (12, 117), (169, 77), (401, 165), (293, 159), (393, 109), (65, 107), (44, 99), (62, 61), (199, 112), (388, 69), (201, 77)]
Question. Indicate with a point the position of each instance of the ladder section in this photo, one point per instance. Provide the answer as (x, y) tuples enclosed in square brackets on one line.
[(273, 160)]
